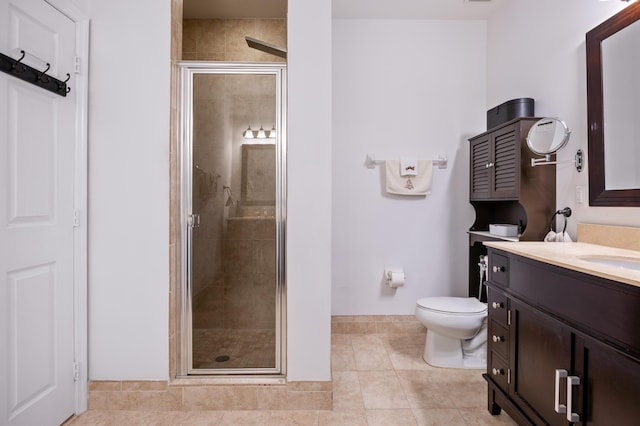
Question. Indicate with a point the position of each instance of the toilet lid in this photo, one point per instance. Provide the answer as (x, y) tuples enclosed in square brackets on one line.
[(457, 305)]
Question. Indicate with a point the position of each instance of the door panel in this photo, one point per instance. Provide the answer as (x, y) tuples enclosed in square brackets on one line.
[(37, 146), (538, 347)]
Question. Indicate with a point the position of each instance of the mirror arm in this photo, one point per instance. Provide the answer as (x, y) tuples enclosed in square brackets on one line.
[(578, 161)]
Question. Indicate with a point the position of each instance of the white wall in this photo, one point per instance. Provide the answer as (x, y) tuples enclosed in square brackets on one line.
[(537, 49), (403, 88), (129, 190), (309, 190)]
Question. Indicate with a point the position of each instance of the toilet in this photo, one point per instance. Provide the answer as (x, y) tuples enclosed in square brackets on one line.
[(456, 331)]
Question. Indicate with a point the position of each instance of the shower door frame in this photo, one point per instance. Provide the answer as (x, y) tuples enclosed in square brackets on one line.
[(184, 358)]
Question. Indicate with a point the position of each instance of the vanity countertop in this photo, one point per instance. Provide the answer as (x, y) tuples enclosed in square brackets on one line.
[(570, 256)]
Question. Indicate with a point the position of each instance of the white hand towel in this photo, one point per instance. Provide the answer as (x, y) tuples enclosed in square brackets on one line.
[(409, 185), (408, 167), (560, 237)]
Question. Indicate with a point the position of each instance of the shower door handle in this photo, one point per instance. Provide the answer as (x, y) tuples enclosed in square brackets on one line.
[(194, 220)]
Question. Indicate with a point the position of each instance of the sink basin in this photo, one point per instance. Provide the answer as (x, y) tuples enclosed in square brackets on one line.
[(617, 261)]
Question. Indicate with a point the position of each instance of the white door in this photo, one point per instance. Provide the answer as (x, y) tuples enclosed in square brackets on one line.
[(37, 137)]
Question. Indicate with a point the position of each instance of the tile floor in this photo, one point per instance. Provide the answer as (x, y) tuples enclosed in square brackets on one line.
[(378, 379)]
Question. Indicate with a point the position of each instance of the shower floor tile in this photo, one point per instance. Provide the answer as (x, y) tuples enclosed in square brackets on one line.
[(227, 348)]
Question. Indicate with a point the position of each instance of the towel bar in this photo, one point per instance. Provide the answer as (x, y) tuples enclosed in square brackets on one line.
[(371, 161)]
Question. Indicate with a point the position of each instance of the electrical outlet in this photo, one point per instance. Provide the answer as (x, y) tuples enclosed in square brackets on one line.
[(580, 194)]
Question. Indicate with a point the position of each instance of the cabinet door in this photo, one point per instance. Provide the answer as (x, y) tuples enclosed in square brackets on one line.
[(480, 176), (539, 346), (506, 163), (609, 388)]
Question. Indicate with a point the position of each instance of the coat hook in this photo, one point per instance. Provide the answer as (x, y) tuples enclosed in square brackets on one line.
[(68, 89), (15, 66), (61, 84), (43, 77)]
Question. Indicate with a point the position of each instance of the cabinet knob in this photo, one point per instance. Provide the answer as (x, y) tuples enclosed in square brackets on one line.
[(498, 269), (486, 166), (497, 371), (497, 305), (497, 339)]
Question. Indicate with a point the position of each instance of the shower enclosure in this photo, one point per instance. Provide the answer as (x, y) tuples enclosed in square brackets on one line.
[(232, 148)]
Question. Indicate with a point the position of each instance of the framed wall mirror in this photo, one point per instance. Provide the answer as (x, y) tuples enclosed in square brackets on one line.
[(613, 109)]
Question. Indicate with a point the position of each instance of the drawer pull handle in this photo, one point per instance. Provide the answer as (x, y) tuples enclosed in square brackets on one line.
[(497, 339), (498, 269), (497, 305), (498, 372), (571, 382), (560, 374)]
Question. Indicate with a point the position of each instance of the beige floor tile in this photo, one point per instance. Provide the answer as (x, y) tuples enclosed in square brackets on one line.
[(482, 417), (342, 418), (370, 353), (422, 392), (407, 357), (342, 357), (438, 417), (293, 418), (468, 395), (378, 379), (341, 339), (114, 417), (347, 394), (371, 357), (381, 390), (199, 418), (390, 418), (245, 418)]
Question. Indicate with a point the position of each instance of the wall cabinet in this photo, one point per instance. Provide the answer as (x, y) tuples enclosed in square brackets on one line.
[(504, 188), (560, 348)]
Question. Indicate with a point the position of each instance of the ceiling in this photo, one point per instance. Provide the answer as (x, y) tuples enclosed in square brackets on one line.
[(348, 9)]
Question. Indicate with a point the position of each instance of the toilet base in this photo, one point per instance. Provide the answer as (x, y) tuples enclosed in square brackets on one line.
[(442, 351)]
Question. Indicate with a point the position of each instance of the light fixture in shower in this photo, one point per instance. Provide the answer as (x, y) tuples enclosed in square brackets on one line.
[(259, 134), (248, 134)]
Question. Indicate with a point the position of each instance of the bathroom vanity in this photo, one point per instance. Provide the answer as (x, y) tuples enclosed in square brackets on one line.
[(563, 333)]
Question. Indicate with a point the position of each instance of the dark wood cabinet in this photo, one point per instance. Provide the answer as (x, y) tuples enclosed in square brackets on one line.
[(550, 327), (504, 188), (495, 163)]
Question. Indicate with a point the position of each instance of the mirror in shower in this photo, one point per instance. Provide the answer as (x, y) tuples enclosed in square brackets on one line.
[(233, 245)]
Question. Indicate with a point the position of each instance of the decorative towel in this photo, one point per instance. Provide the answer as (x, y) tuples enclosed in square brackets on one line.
[(408, 167), (409, 185)]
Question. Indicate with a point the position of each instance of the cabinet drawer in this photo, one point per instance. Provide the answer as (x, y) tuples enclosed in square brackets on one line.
[(497, 369), (497, 307), (498, 339), (499, 269)]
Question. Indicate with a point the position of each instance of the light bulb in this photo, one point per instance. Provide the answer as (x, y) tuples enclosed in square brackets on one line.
[(248, 134), (261, 134)]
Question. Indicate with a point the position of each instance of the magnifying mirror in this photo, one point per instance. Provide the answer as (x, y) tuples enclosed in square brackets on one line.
[(546, 137)]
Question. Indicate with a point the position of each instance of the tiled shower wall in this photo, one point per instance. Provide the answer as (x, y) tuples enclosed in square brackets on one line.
[(223, 39)]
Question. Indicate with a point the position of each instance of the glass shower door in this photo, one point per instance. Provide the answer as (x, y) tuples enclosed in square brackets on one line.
[(234, 222)]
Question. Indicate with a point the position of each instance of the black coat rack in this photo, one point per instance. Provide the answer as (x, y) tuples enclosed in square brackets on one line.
[(16, 68)]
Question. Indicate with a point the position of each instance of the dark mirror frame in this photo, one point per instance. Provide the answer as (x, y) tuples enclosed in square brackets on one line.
[(598, 195)]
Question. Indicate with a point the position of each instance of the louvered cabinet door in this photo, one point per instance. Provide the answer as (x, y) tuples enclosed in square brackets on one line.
[(481, 168), (506, 163)]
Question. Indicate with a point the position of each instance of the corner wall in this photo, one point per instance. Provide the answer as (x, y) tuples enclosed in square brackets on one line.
[(537, 49)]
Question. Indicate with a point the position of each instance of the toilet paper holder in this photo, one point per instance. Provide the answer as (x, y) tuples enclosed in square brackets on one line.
[(395, 277)]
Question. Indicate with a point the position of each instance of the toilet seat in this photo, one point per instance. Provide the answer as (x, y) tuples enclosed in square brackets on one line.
[(452, 305)]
